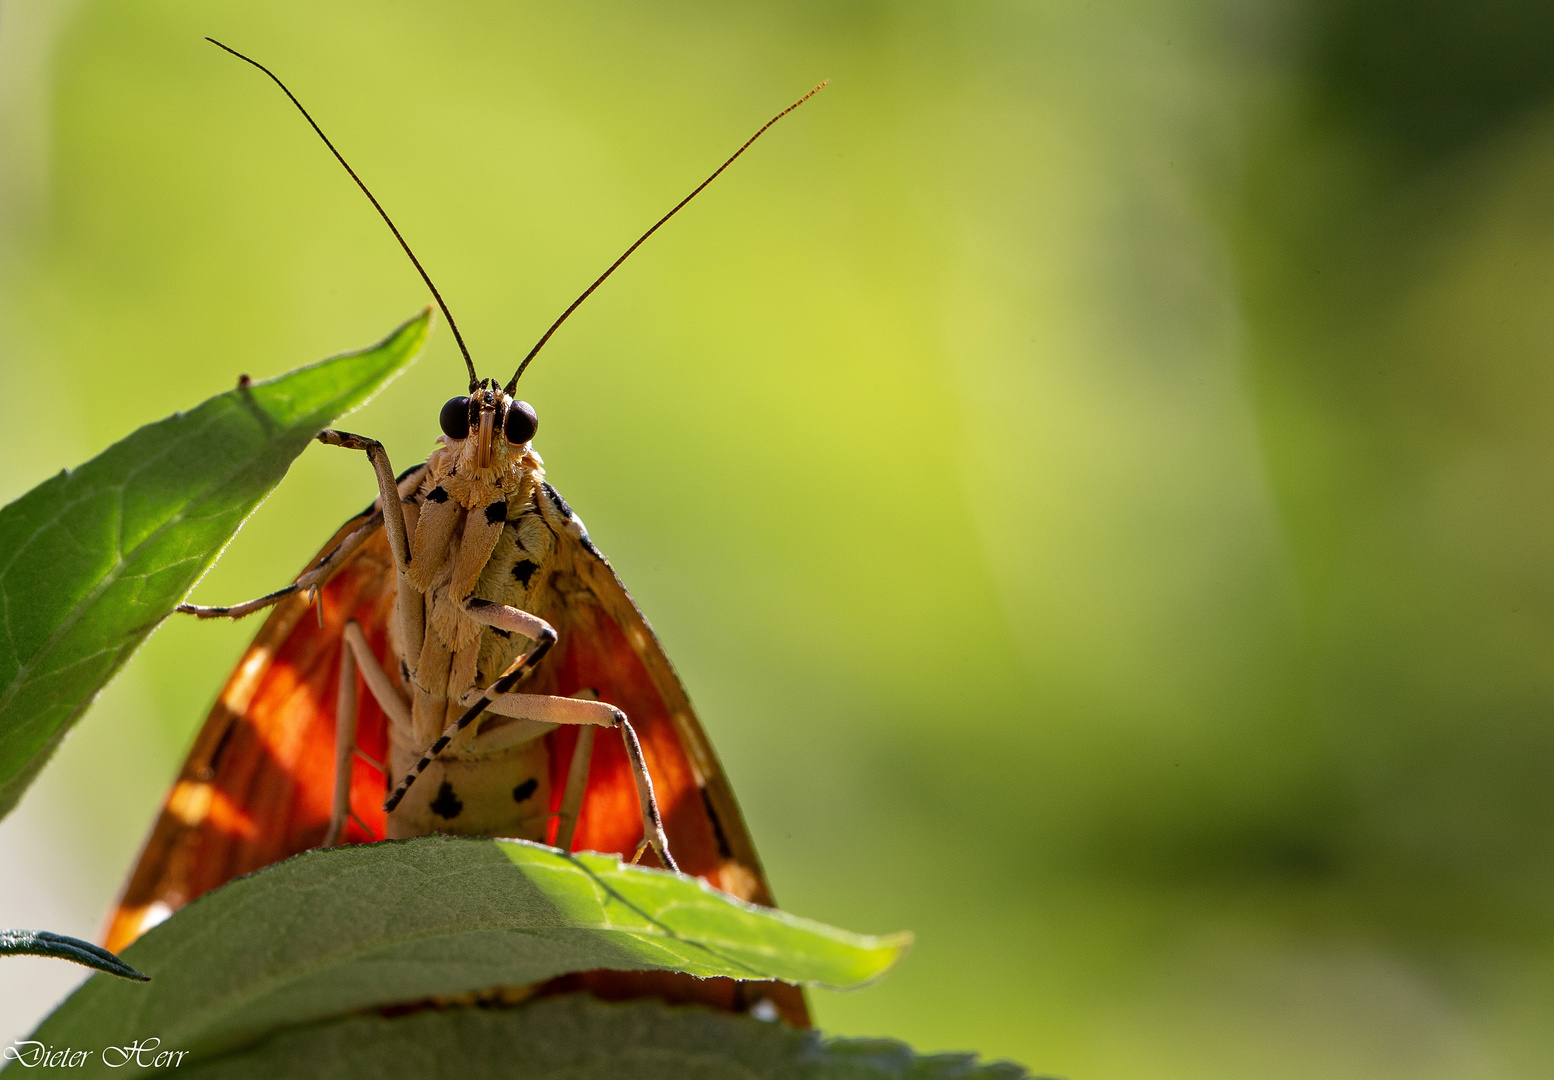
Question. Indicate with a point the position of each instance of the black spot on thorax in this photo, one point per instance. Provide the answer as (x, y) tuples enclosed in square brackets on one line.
[(523, 570), (496, 512), (447, 805), (525, 789), (437, 495)]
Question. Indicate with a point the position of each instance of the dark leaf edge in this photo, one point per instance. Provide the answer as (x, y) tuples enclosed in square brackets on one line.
[(62, 947)]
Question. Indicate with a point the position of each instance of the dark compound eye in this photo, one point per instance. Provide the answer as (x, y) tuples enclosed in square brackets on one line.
[(521, 423), (454, 418)]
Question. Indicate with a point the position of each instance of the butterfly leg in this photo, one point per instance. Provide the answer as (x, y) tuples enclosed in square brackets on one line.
[(408, 600), (314, 578), (545, 709), (513, 620), (388, 487), (345, 746), (357, 654), (516, 620), (577, 782), (528, 727), (557, 710)]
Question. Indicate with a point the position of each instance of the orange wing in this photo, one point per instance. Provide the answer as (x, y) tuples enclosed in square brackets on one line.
[(606, 645), (257, 785)]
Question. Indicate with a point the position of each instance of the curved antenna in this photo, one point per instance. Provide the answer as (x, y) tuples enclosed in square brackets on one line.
[(474, 380), (513, 383)]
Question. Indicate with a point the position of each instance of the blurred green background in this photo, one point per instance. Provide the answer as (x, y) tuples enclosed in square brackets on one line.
[(1090, 465)]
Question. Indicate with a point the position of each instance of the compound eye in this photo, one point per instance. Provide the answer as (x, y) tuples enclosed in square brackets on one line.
[(454, 418), (521, 423)]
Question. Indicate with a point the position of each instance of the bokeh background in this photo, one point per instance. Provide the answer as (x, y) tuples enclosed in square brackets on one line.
[(1091, 466)]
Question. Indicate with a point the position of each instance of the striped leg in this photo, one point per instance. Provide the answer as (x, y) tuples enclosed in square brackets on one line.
[(545, 709), (507, 618), (652, 822)]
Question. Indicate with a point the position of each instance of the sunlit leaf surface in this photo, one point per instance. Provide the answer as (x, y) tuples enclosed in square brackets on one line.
[(334, 931), (94, 558)]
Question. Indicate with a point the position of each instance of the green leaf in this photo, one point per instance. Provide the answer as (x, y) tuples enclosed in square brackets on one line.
[(93, 559), (577, 1036), (44, 943), (332, 931)]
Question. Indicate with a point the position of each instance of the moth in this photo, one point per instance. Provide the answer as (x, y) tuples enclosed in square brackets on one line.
[(460, 658)]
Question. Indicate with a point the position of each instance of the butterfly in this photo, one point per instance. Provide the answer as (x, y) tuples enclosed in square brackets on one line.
[(459, 657)]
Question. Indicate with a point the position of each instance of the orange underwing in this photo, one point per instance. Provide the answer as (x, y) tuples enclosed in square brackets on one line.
[(467, 600)]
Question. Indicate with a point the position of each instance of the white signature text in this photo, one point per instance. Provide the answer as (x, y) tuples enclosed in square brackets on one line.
[(142, 1054)]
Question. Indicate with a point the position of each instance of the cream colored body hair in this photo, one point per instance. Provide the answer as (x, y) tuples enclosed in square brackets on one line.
[(460, 549)]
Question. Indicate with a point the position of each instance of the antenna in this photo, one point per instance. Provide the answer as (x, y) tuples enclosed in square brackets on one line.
[(513, 384), (474, 380)]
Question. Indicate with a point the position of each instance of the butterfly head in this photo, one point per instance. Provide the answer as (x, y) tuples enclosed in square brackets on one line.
[(488, 425)]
